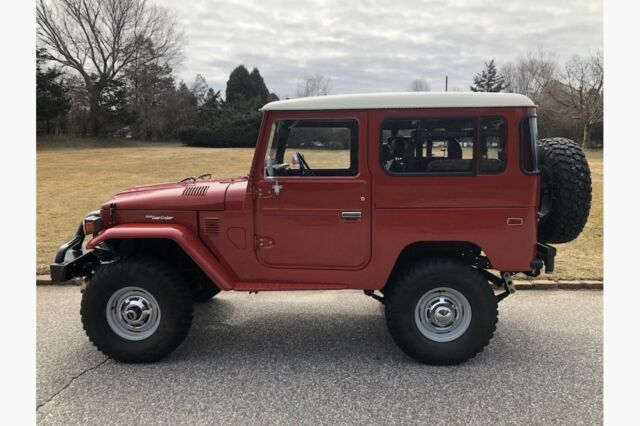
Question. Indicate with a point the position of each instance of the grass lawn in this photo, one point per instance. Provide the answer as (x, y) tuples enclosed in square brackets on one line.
[(75, 176)]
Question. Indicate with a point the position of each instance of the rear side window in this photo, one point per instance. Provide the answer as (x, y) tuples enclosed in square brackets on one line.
[(433, 145), (493, 139), (528, 148)]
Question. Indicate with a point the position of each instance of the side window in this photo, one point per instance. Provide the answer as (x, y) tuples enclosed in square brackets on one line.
[(434, 145), (313, 148), (528, 147), (493, 140)]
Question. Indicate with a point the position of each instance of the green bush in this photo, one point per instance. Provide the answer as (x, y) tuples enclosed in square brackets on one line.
[(204, 137), (186, 134)]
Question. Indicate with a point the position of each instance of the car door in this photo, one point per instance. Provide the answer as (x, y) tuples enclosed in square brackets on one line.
[(313, 207)]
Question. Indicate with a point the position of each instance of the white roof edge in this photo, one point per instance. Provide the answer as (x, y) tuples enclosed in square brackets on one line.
[(398, 100)]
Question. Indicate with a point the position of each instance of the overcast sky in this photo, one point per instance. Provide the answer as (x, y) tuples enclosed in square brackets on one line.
[(372, 46)]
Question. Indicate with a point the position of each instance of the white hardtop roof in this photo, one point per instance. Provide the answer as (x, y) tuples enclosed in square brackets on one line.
[(401, 100)]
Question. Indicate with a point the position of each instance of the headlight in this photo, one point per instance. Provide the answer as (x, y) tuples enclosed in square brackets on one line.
[(92, 223)]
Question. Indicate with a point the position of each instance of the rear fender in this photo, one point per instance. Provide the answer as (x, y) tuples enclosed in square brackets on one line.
[(182, 236)]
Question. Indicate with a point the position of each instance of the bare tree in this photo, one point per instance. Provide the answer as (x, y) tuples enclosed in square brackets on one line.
[(200, 89), (100, 38), (315, 85), (530, 74), (420, 85), (581, 86)]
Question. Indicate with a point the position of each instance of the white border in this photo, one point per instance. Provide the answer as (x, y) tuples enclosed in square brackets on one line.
[(17, 213), (621, 189)]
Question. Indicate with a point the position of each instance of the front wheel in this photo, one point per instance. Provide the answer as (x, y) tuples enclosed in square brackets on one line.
[(204, 292), (441, 311), (136, 310)]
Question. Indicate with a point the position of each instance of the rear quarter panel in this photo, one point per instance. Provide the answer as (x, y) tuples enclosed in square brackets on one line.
[(473, 208)]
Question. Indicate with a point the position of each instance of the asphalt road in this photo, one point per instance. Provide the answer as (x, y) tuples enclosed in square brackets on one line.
[(325, 358)]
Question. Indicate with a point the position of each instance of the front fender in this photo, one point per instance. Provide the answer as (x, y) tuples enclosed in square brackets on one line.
[(182, 236)]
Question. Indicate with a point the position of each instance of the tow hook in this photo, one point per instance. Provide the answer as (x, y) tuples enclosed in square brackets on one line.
[(371, 293), (507, 282)]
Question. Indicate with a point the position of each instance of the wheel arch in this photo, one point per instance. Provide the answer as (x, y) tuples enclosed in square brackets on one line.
[(165, 240), (466, 251)]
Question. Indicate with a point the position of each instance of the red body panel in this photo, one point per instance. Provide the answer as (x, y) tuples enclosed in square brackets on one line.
[(246, 238), (182, 236)]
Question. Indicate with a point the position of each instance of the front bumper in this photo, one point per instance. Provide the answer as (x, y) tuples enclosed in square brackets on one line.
[(72, 260)]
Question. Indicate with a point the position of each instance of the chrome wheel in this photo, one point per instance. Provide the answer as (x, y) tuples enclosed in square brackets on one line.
[(443, 314), (133, 313)]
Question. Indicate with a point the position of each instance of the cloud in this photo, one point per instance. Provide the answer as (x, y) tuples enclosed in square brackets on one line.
[(369, 46)]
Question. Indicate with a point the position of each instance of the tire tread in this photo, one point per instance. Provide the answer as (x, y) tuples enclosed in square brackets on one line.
[(396, 301), (151, 271)]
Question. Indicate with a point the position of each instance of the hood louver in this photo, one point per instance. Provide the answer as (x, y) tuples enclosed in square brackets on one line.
[(195, 191)]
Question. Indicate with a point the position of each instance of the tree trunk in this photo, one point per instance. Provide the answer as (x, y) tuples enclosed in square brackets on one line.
[(94, 119), (586, 136), (93, 91)]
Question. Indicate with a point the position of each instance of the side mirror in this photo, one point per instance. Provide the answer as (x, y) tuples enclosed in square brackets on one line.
[(268, 165), (295, 161)]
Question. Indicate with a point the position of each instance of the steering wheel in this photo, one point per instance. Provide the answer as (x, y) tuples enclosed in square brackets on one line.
[(304, 166)]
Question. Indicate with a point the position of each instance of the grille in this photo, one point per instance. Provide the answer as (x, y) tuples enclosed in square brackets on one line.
[(195, 191), (211, 225)]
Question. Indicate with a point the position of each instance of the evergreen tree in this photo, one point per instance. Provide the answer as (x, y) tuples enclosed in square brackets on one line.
[(150, 93), (114, 110), (52, 101), (240, 86), (260, 89), (212, 102), (488, 80), (235, 121), (184, 106)]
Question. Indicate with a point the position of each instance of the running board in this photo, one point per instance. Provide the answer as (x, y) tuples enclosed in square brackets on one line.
[(269, 286)]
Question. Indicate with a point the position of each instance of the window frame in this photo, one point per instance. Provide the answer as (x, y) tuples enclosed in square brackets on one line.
[(505, 165), (534, 144), (475, 151), (354, 148)]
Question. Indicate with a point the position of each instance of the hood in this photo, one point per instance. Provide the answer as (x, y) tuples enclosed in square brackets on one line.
[(199, 195)]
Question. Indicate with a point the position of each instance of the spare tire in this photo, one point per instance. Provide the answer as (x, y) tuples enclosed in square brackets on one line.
[(565, 190)]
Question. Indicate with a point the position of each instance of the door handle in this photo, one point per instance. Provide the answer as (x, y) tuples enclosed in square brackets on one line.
[(351, 215), (277, 188)]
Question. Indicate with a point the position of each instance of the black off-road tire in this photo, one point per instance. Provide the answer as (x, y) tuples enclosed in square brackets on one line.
[(203, 292), (403, 294), (565, 199), (165, 286), (202, 288)]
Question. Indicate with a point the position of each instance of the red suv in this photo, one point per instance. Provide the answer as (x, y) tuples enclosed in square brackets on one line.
[(428, 202)]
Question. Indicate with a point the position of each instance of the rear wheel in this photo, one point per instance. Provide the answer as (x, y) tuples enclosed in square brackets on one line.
[(441, 311), (136, 310)]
